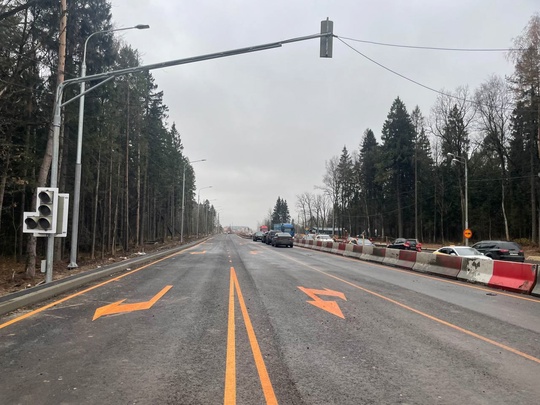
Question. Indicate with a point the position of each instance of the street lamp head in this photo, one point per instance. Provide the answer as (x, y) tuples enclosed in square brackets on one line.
[(142, 26), (450, 155)]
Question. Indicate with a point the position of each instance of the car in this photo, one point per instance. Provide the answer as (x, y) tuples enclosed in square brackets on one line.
[(282, 238), (269, 236), (501, 250), (461, 251), (324, 238), (257, 236), (406, 244), (360, 241)]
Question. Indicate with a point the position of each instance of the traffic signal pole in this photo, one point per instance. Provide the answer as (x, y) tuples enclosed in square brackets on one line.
[(326, 36)]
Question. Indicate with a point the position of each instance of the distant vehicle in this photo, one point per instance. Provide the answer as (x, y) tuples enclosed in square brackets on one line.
[(360, 241), (289, 228), (282, 238), (501, 250), (324, 238), (263, 228), (257, 236), (309, 236), (461, 251), (406, 244), (269, 236)]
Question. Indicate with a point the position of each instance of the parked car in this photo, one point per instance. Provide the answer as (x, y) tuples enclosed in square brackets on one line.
[(282, 238), (360, 241), (269, 236), (406, 244), (461, 251), (324, 238), (263, 239), (257, 236), (501, 250)]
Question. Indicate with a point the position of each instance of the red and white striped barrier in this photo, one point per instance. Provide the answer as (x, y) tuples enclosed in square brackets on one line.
[(518, 277)]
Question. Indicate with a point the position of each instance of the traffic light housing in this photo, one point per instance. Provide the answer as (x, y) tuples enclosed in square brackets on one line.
[(327, 27), (44, 220)]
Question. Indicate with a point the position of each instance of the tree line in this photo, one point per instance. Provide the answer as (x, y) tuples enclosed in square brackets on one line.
[(133, 161), (411, 183)]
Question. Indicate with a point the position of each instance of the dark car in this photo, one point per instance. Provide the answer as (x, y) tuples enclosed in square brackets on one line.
[(406, 244), (501, 250), (257, 236), (282, 239), (269, 236)]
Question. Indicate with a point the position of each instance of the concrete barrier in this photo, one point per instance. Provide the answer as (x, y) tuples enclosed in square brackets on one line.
[(511, 276), (391, 257), (476, 271), (446, 266), (349, 250), (339, 248), (518, 277), (536, 288), (407, 258)]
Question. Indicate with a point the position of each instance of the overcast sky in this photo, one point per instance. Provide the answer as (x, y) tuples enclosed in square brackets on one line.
[(268, 121)]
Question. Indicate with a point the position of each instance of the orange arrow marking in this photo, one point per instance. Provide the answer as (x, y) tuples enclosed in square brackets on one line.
[(117, 308), (329, 306)]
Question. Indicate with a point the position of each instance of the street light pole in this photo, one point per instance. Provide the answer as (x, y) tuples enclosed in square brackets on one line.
[(463, 160), (183, 197), (198, 206), (77, 190)]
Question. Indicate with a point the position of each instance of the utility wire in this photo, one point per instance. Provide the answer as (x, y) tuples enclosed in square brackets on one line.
[(403, 76), (433, 48), (414, 81)]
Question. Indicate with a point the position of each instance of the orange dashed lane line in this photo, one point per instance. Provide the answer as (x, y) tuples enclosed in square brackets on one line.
[(268, 390)]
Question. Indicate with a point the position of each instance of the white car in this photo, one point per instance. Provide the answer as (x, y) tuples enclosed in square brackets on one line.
[(461, 251), (324, 238)]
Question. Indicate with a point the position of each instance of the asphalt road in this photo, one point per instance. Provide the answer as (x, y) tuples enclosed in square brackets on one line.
[(235, 321)]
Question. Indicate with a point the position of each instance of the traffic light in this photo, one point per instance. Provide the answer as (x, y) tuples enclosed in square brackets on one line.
[(44, 220), (327, 27)]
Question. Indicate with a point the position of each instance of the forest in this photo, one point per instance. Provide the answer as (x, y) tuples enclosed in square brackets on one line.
[(472, 161), (474, 156), (137, 184)]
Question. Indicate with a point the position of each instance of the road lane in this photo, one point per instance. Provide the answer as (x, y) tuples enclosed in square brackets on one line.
[(403, 337), (400, 356)]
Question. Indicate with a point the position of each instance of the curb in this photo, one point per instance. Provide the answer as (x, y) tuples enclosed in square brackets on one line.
[(34, 295)]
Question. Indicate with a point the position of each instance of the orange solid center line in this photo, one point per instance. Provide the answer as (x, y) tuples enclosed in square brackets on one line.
[(230, 371), (266, 384)]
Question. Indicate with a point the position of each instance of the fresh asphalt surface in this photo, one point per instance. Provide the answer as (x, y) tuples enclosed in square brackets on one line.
[(234, 325)]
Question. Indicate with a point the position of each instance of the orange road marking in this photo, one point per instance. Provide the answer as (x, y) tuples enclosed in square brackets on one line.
[(117, 307), (52, 304), (230, 371), (433, 318), (198, 253), (444, 280), (329, 306), (268, 391), (254, 252)]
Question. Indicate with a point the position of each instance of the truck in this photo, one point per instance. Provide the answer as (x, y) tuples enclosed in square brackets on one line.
[(289, 228), (263, 228)]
